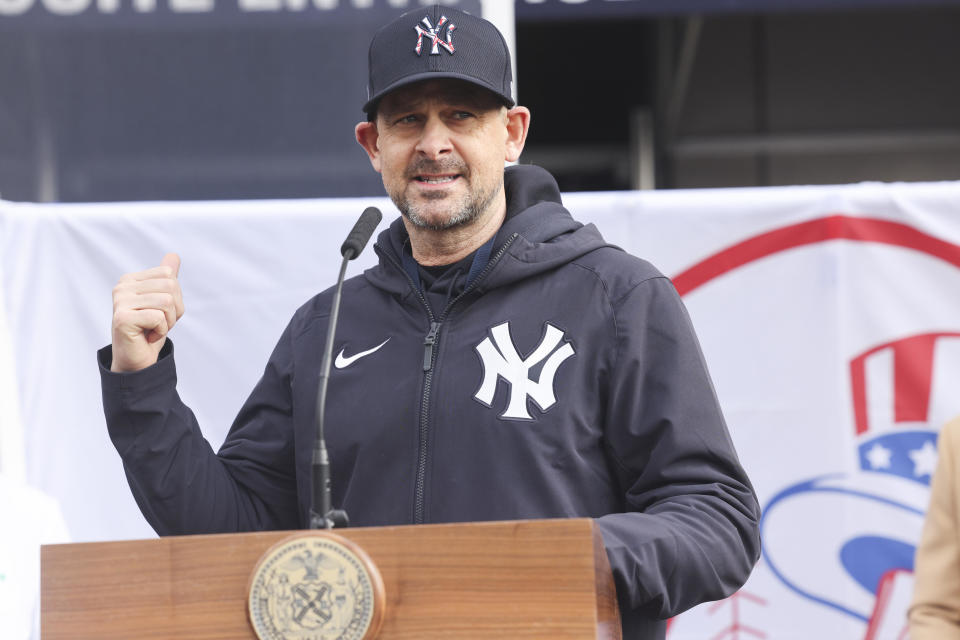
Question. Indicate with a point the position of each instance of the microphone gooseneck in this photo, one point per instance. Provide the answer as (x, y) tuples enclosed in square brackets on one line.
[(322, 513)]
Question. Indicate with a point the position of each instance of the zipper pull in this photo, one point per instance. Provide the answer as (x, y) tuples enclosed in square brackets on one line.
[(428, 343)]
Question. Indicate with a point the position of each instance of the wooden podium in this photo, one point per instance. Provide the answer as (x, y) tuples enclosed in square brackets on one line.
[(520, 579)]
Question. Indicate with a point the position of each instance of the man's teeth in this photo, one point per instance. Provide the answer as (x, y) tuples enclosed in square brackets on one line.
[(437, 180)]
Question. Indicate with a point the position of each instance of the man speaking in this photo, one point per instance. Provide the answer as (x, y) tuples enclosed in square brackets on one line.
[(502, 360)]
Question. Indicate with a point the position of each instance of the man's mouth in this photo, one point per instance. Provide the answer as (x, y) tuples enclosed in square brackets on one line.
[(430, 179)]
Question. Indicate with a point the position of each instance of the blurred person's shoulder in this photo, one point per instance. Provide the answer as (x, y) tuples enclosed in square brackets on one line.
[(949, 434), (33, 518)]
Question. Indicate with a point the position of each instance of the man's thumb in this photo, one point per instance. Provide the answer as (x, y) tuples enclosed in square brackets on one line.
[(172, 260)]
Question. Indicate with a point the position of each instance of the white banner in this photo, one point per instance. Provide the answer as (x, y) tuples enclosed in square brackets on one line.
[(829, 317)]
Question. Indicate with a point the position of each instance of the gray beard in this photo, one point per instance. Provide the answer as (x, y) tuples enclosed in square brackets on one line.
[(465, 213)]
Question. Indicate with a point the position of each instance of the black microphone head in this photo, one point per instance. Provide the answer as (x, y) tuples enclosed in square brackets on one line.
[(361, 232)]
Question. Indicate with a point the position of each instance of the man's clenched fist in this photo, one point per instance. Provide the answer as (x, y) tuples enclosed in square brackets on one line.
[(146, 305)]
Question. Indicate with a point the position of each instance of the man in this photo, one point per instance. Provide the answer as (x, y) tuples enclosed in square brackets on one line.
[(935, 609), (501, 361)]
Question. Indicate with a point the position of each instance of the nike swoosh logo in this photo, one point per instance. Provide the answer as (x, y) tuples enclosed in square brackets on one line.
[(342, 362)]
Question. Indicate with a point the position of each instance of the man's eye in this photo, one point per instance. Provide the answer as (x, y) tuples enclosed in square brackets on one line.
[(406, 119), (462, 115)]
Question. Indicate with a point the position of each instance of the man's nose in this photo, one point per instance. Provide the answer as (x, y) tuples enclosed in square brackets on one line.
[(434, 139)]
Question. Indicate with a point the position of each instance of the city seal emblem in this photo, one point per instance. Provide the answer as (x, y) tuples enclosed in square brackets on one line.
[(315, 586)]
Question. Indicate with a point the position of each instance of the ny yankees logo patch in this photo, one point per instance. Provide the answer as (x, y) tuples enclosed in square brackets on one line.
[(501, 360), (434, 34)]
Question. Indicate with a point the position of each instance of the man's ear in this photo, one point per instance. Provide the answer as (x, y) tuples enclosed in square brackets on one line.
[(518, 124), (367, 137)]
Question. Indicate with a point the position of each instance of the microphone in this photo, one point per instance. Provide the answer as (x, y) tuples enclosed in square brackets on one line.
[(361, 232), (322, 513)]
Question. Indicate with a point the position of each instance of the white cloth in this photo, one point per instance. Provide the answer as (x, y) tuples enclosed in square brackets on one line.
[(11, 430), (30, 518), (804, 291)]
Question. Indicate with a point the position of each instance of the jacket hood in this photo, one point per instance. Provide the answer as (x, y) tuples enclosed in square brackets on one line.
[(538, 234)]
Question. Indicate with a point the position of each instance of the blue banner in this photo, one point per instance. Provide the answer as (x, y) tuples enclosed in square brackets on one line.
[(353, 14), (580, 9)]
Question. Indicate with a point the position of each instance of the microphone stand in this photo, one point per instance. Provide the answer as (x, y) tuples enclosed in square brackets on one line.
[(322, 513), (326, 517)]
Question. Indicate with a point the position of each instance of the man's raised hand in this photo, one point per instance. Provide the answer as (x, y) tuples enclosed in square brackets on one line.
[(146, 305)]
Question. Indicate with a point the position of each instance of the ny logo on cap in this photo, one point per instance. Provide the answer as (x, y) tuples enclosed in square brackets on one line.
[(434, 33)]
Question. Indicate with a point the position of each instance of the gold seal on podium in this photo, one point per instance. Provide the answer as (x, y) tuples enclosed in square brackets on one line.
[(315, 586)]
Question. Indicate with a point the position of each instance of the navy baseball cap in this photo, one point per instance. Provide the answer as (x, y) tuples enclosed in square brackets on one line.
[(438, 42)]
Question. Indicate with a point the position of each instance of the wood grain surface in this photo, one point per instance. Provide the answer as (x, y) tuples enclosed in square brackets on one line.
[(521, 579)]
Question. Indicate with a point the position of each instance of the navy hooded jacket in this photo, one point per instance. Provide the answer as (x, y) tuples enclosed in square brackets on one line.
[(564, 380)]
